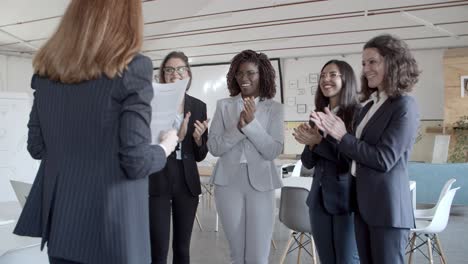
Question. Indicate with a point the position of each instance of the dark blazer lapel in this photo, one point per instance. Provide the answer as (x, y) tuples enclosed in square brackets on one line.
[(383, 108)]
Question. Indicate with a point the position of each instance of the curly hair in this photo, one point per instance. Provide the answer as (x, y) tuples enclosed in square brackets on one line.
[(267, 85), (175, 55), (348, 94), (401, 69)]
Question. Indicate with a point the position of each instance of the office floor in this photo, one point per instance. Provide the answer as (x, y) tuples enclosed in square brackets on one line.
[(210, 247)]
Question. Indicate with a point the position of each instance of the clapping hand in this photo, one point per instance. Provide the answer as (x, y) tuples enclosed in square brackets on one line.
[(183, 127), (329, 123), (249, 109), (200, 128), (307, 135), (248, 114)]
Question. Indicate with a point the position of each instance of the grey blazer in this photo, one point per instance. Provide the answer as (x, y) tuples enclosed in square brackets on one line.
[(262, 141), (89, 200), (382, 153)]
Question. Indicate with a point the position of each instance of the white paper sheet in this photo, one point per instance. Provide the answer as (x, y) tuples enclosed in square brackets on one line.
[(166, 100)]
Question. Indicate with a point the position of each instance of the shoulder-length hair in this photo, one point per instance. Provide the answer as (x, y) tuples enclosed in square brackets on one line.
[(175, 55), (93, 38), (401, 69), (267, 85), (348, 93)]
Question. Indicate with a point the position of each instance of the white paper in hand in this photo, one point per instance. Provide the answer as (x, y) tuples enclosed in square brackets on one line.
[(166, 100)]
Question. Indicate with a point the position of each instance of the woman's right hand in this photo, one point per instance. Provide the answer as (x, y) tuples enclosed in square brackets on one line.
[(183, 127), (169, 140)]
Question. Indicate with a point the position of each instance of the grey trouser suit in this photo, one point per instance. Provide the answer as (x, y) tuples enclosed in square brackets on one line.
[(245, 175)]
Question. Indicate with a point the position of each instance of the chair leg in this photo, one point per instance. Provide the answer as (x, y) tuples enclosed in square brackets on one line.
[(301, 237), (273, 243), (312, 246), (283, 257), (439, 247), (217, 222), (429, 250), (198, 221), (412, 241)]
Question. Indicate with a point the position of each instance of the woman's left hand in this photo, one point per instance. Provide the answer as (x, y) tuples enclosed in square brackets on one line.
[(249, 109), (329, 123), (200, 128)]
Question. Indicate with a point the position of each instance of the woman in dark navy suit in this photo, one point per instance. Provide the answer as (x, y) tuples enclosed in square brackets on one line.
[(329, 198), (89, 126), (175, 190), (380, 148)]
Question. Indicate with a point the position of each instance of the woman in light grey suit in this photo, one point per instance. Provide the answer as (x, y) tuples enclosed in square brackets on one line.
[(247, 135), (89, 126), (379, 149)]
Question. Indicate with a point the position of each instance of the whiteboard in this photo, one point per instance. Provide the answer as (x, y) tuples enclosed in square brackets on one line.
[(15, 161), (209, 83)]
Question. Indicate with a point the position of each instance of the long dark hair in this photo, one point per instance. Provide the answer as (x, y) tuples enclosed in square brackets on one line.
[(267, 85), (401, 69), (348, 93), (176, 55)]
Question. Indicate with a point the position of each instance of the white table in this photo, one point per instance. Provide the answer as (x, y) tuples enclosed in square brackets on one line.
[(304, 182)]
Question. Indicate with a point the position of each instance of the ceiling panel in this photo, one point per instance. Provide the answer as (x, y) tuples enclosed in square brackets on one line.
[(215, 30)]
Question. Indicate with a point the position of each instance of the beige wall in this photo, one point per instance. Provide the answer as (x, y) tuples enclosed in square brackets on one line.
[(455, 66)]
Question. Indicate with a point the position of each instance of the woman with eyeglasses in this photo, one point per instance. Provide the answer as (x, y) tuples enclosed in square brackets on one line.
[(379, 147), (329, 200), (175, 190), (247, 135)]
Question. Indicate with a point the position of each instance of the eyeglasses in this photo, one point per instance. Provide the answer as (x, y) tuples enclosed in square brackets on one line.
[(179, 70), (332, 75), (249, 74)]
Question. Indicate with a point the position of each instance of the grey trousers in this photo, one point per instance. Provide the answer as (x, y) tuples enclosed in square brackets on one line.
[(247, 217)]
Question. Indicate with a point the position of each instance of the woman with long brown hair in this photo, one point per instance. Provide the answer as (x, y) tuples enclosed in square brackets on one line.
[(330, 201), (89, 126)]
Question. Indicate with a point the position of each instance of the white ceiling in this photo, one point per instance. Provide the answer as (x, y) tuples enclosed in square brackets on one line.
[(210, 31)]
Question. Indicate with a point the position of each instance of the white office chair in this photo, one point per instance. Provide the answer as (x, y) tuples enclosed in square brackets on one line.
[(426, 231), (297, 169), (428, 214), (22, 190), (294, 214)]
